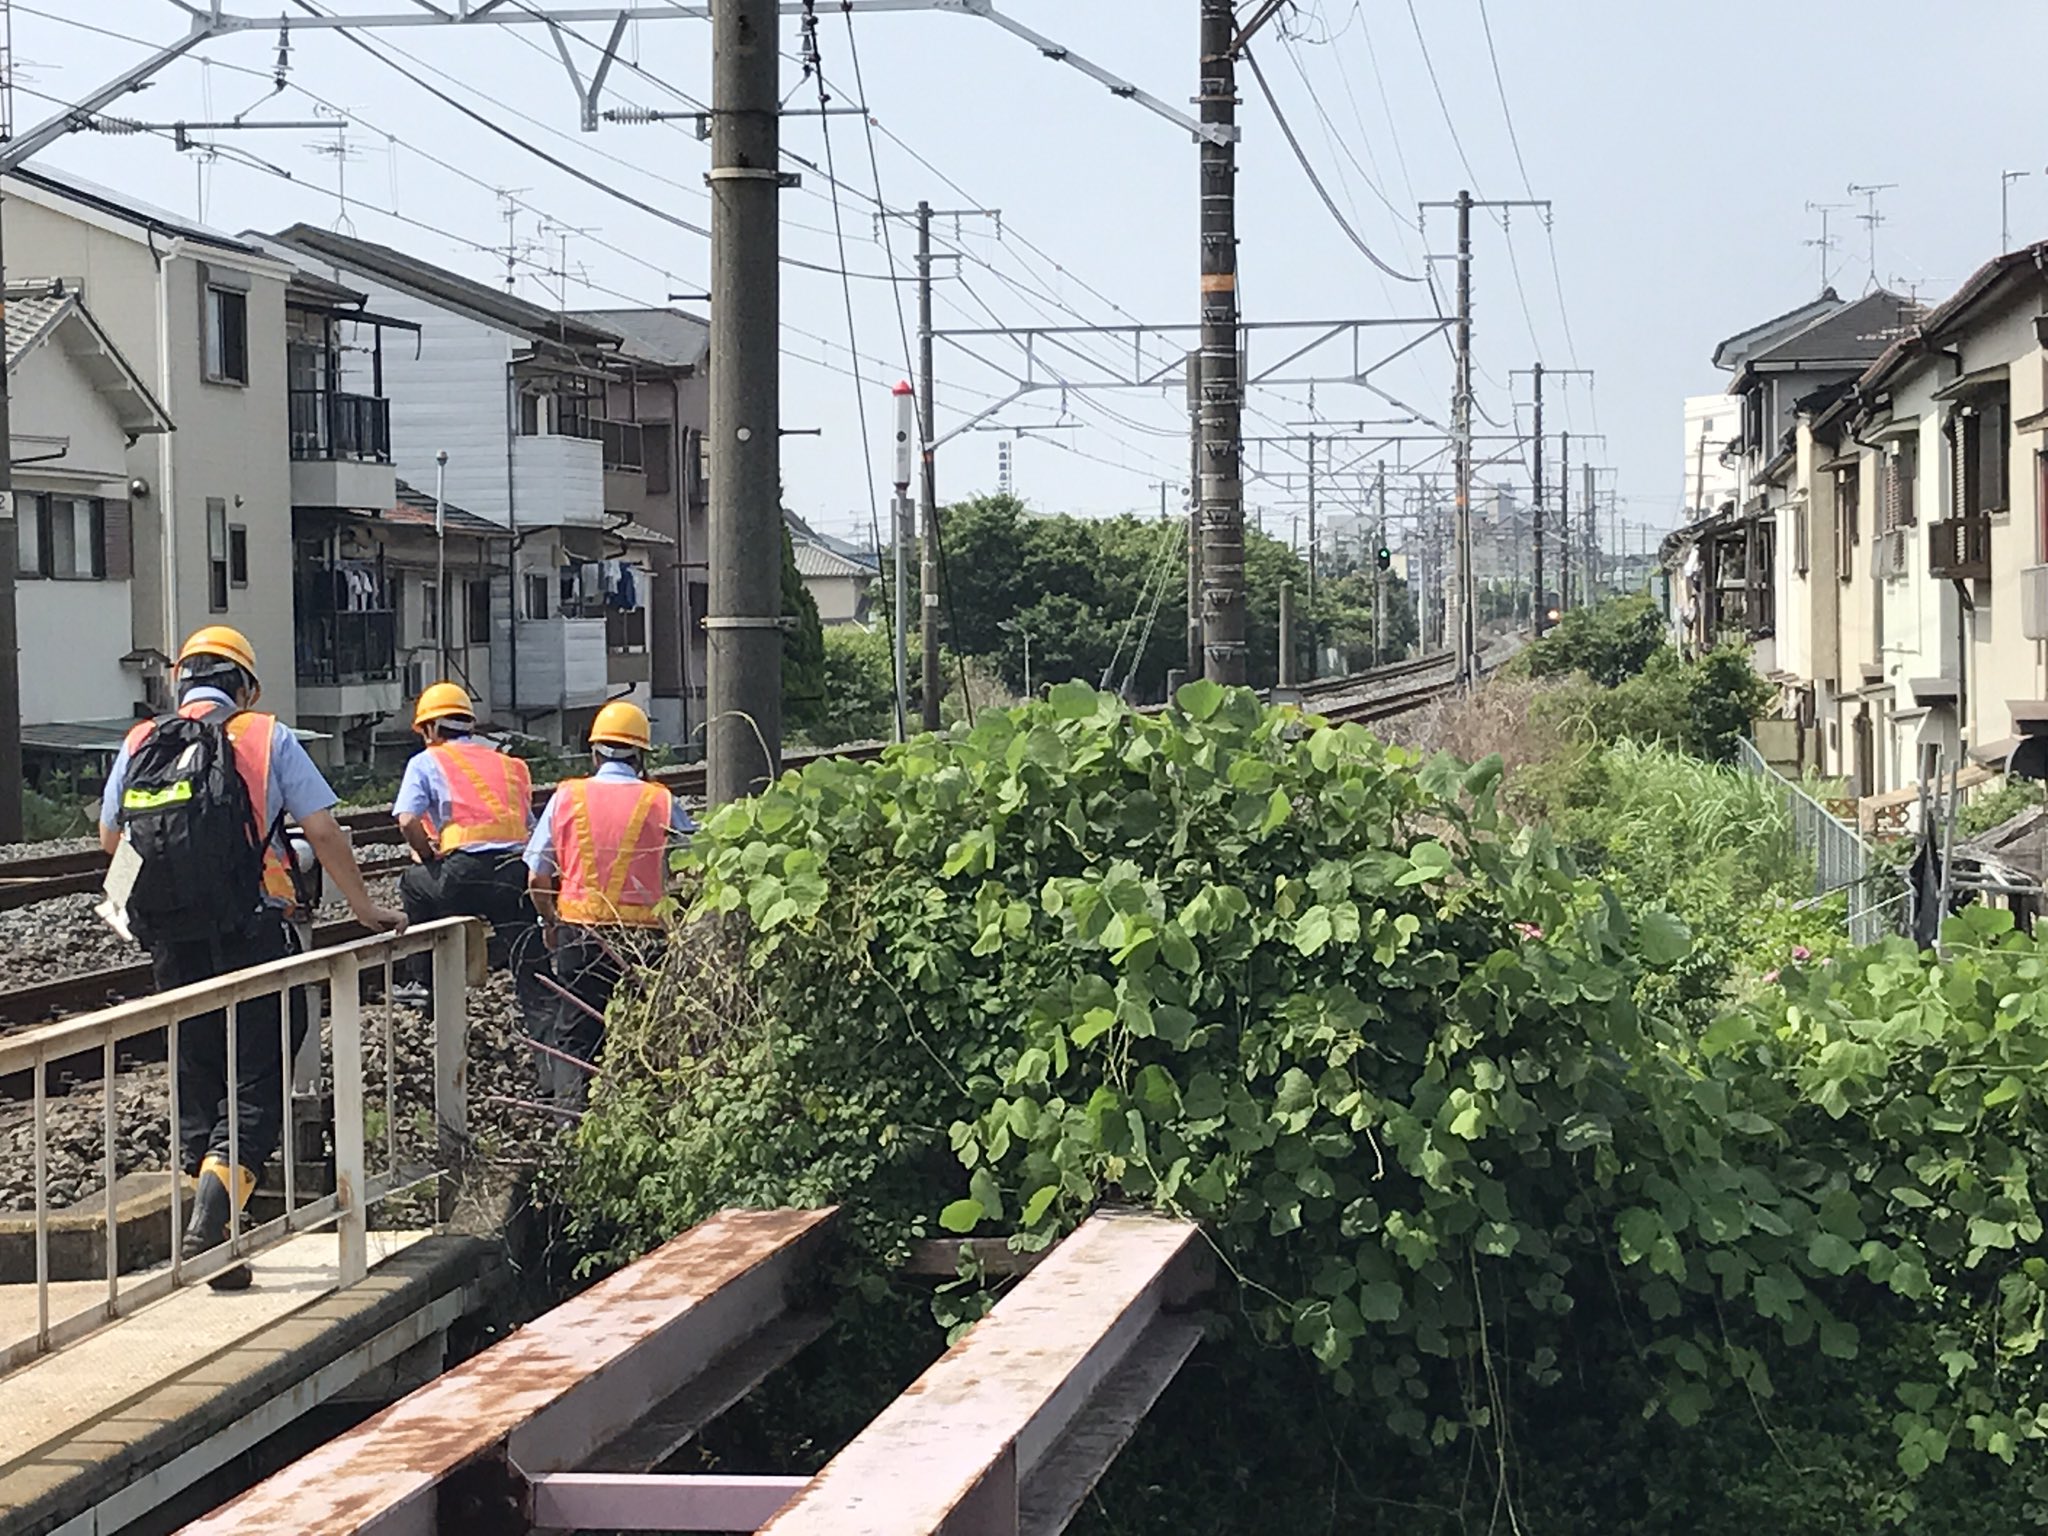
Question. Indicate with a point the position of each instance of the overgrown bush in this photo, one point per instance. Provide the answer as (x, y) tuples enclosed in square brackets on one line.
[(1409, 1068), (1609, 642), (1701, 707)]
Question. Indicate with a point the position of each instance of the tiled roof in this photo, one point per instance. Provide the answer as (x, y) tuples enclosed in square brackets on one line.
[(439, 285), (415, 509), (816, 562), (1855, 334), (640, 533), (31, 312), (667, 338)]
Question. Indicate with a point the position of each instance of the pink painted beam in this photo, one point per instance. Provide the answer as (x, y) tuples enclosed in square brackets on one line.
[(948, 1457), (545, 1399), (628, 1501)]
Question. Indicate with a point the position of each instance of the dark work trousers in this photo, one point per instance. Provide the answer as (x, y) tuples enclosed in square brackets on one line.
[(261, 1063), (588, 966), (491, 886)]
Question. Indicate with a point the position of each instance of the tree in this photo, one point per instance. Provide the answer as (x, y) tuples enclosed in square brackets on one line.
[(1107, 598), (804, 702)]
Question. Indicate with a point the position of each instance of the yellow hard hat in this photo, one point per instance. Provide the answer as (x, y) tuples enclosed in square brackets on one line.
[(219, 640), (443, 701), (620, 724)]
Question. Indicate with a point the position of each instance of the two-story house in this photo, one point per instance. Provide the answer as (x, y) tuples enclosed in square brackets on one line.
[(658, 408), (78, 407), (516, 396), (1947, 440), (199, 317), (1746, 570)]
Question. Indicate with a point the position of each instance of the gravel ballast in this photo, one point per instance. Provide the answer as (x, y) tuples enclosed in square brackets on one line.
[(501, 1133)]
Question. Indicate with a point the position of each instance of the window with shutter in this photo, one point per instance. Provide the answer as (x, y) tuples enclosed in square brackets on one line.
[(657, 452), (1962, 460), (117, 550), (1989, 457), (1848, 490)]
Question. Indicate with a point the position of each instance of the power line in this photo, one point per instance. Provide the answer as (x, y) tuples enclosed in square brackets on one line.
[(1429, 64), (1287, 130)]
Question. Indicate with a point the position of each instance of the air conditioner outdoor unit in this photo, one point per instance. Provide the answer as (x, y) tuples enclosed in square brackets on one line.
[(2034, 602)]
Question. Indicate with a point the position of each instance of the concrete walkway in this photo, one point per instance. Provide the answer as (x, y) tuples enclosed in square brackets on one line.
[(107, 1427)]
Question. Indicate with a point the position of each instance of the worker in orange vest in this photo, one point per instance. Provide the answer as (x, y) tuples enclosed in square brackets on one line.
[(598, 875), (205, 902), (465, 810)]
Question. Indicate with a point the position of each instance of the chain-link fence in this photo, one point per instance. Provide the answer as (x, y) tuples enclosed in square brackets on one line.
[(1842, 860)]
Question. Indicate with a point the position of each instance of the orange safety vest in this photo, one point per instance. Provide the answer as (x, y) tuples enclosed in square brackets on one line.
[(490, 795), (250, 735), (611, 845)]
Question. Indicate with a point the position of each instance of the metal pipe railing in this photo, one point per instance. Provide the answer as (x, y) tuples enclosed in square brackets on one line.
[(457, 946)]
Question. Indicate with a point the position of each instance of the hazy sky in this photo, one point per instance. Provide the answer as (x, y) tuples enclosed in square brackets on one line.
[(1680, 145)]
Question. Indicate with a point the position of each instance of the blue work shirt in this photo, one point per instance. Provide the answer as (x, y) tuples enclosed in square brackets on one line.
[(424, 792), (540, 848), (297, 787)]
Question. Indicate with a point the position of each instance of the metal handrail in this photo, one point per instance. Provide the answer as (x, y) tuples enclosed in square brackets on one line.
[(457, 946)]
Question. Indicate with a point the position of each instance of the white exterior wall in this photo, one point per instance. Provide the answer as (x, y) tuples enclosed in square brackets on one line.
[(2004, 666), (73, 633), (448, 394), (1718, 420), (231, 441)]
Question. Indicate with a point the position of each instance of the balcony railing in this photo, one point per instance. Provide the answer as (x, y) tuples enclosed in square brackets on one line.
[(336, 648), (327, 424), (1959, 548)]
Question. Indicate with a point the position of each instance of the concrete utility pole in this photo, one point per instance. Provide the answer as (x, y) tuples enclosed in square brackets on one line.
[(1311, 519), (1286, 634), (1589, 519), (1460, 611), (1195, 647), (928, 548), (1220, 469), (899, 538), (1465, 643), (1564, 522), (1539, 604), (744, 747), (10, 636), (1379, 574)]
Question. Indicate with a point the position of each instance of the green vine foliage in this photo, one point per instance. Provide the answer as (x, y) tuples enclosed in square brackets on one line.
[(1408, 1067)]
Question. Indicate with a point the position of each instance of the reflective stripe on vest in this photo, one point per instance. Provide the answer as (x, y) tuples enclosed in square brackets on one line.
[(611, 845), (490, 795), (250, 736)]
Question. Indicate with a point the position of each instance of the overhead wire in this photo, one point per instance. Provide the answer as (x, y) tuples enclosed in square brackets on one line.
[(1316, 180), (892, 595)]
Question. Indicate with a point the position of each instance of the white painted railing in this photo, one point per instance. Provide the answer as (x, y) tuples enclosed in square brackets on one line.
[(457, 947)]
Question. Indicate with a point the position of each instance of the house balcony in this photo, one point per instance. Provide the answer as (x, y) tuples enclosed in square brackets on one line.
[(563, 664), (348, 664), (1959, 548), (559, 481), (341, 450), (628, 660)]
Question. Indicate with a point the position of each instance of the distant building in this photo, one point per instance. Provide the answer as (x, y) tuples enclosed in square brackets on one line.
[(1713, 423)]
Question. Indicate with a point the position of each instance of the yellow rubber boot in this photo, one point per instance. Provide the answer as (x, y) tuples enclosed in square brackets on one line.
[(223, 1189)]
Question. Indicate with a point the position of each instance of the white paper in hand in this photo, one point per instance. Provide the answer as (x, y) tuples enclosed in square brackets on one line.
[(121, 873)]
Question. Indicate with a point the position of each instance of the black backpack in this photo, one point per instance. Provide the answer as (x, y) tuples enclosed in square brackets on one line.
[(186, 810)]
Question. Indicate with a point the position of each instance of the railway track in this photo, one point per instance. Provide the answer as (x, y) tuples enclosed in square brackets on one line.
[(46, 877), (24, 882)]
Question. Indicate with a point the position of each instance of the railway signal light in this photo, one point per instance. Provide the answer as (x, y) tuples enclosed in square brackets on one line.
[(1386, 558)]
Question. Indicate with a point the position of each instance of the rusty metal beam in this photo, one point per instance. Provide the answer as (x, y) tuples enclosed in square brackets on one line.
[(1085, 1338), (456, 1455), (624, 1501)]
